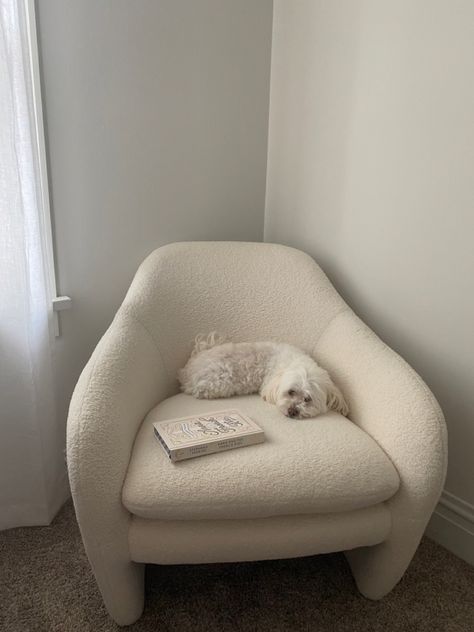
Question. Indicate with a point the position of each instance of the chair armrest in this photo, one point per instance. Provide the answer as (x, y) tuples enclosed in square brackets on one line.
[(389, 401), (122, 381)]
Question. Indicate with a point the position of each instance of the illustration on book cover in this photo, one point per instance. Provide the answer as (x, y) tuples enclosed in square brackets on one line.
[(206, 427)]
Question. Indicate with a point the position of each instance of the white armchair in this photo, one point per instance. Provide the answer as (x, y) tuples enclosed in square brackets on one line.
[(365, 486)]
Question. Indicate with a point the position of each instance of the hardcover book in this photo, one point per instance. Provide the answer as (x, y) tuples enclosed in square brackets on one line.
[(188, 437)]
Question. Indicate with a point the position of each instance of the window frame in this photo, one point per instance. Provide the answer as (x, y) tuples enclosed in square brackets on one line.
[(58, 303)]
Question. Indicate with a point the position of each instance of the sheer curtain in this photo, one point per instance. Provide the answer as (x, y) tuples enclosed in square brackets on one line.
[(32, 472)]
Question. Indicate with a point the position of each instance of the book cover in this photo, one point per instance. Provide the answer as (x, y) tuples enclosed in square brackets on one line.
[(188, 437)]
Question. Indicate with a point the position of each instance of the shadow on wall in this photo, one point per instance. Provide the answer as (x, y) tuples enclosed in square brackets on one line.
[(311, 115)]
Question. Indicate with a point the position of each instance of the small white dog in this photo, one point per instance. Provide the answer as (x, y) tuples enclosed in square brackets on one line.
[(282, 374)]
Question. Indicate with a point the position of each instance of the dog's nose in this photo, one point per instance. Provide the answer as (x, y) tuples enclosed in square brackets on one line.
[(292, 411)]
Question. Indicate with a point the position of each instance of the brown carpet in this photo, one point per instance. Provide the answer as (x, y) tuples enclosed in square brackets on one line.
[(46, 585)]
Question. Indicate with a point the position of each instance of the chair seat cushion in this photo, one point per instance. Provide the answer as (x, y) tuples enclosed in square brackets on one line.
[(320, 465)]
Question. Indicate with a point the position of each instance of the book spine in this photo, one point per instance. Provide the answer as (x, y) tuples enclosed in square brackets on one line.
[(162, 443), (181, 454)]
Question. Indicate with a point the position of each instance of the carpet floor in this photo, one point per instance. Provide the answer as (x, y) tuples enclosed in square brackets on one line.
[(46, 585)]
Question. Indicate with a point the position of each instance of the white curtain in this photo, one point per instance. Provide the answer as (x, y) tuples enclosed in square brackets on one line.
[(32, 472)]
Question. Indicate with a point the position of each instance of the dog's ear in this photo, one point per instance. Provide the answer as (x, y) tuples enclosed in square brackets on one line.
[(335, 400), (270, 389)]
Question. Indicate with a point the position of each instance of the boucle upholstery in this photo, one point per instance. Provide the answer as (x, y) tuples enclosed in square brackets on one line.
[(241, 290), (204, 541), (234, 288), (320, 465), (393, 405)]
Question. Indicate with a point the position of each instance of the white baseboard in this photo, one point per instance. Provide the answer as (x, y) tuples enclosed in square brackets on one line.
[(452, 526)]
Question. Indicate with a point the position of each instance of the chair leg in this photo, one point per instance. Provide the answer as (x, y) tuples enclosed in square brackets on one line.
[(121, 584), (378, 569)]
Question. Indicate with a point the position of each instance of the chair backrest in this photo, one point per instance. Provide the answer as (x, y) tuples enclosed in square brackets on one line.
[(246, 291)]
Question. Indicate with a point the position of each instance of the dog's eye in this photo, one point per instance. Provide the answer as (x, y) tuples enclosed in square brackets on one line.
[(307, 399), (291, 392)]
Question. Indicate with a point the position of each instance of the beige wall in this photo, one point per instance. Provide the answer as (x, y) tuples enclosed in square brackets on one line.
[(370, 169), (157, 118)]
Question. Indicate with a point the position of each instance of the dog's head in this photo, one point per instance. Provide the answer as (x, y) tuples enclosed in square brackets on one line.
[(300, 393)]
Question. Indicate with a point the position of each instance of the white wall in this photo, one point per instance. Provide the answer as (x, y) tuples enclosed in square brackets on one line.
[(157, 118), (370, 170)]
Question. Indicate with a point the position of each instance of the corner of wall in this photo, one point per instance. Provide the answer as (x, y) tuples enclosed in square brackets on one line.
[(265, 236)]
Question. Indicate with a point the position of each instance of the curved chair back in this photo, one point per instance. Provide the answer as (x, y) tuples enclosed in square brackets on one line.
[(246, 291)]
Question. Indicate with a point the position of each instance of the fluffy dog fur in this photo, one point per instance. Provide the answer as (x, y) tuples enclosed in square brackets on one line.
[(282, 374)]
